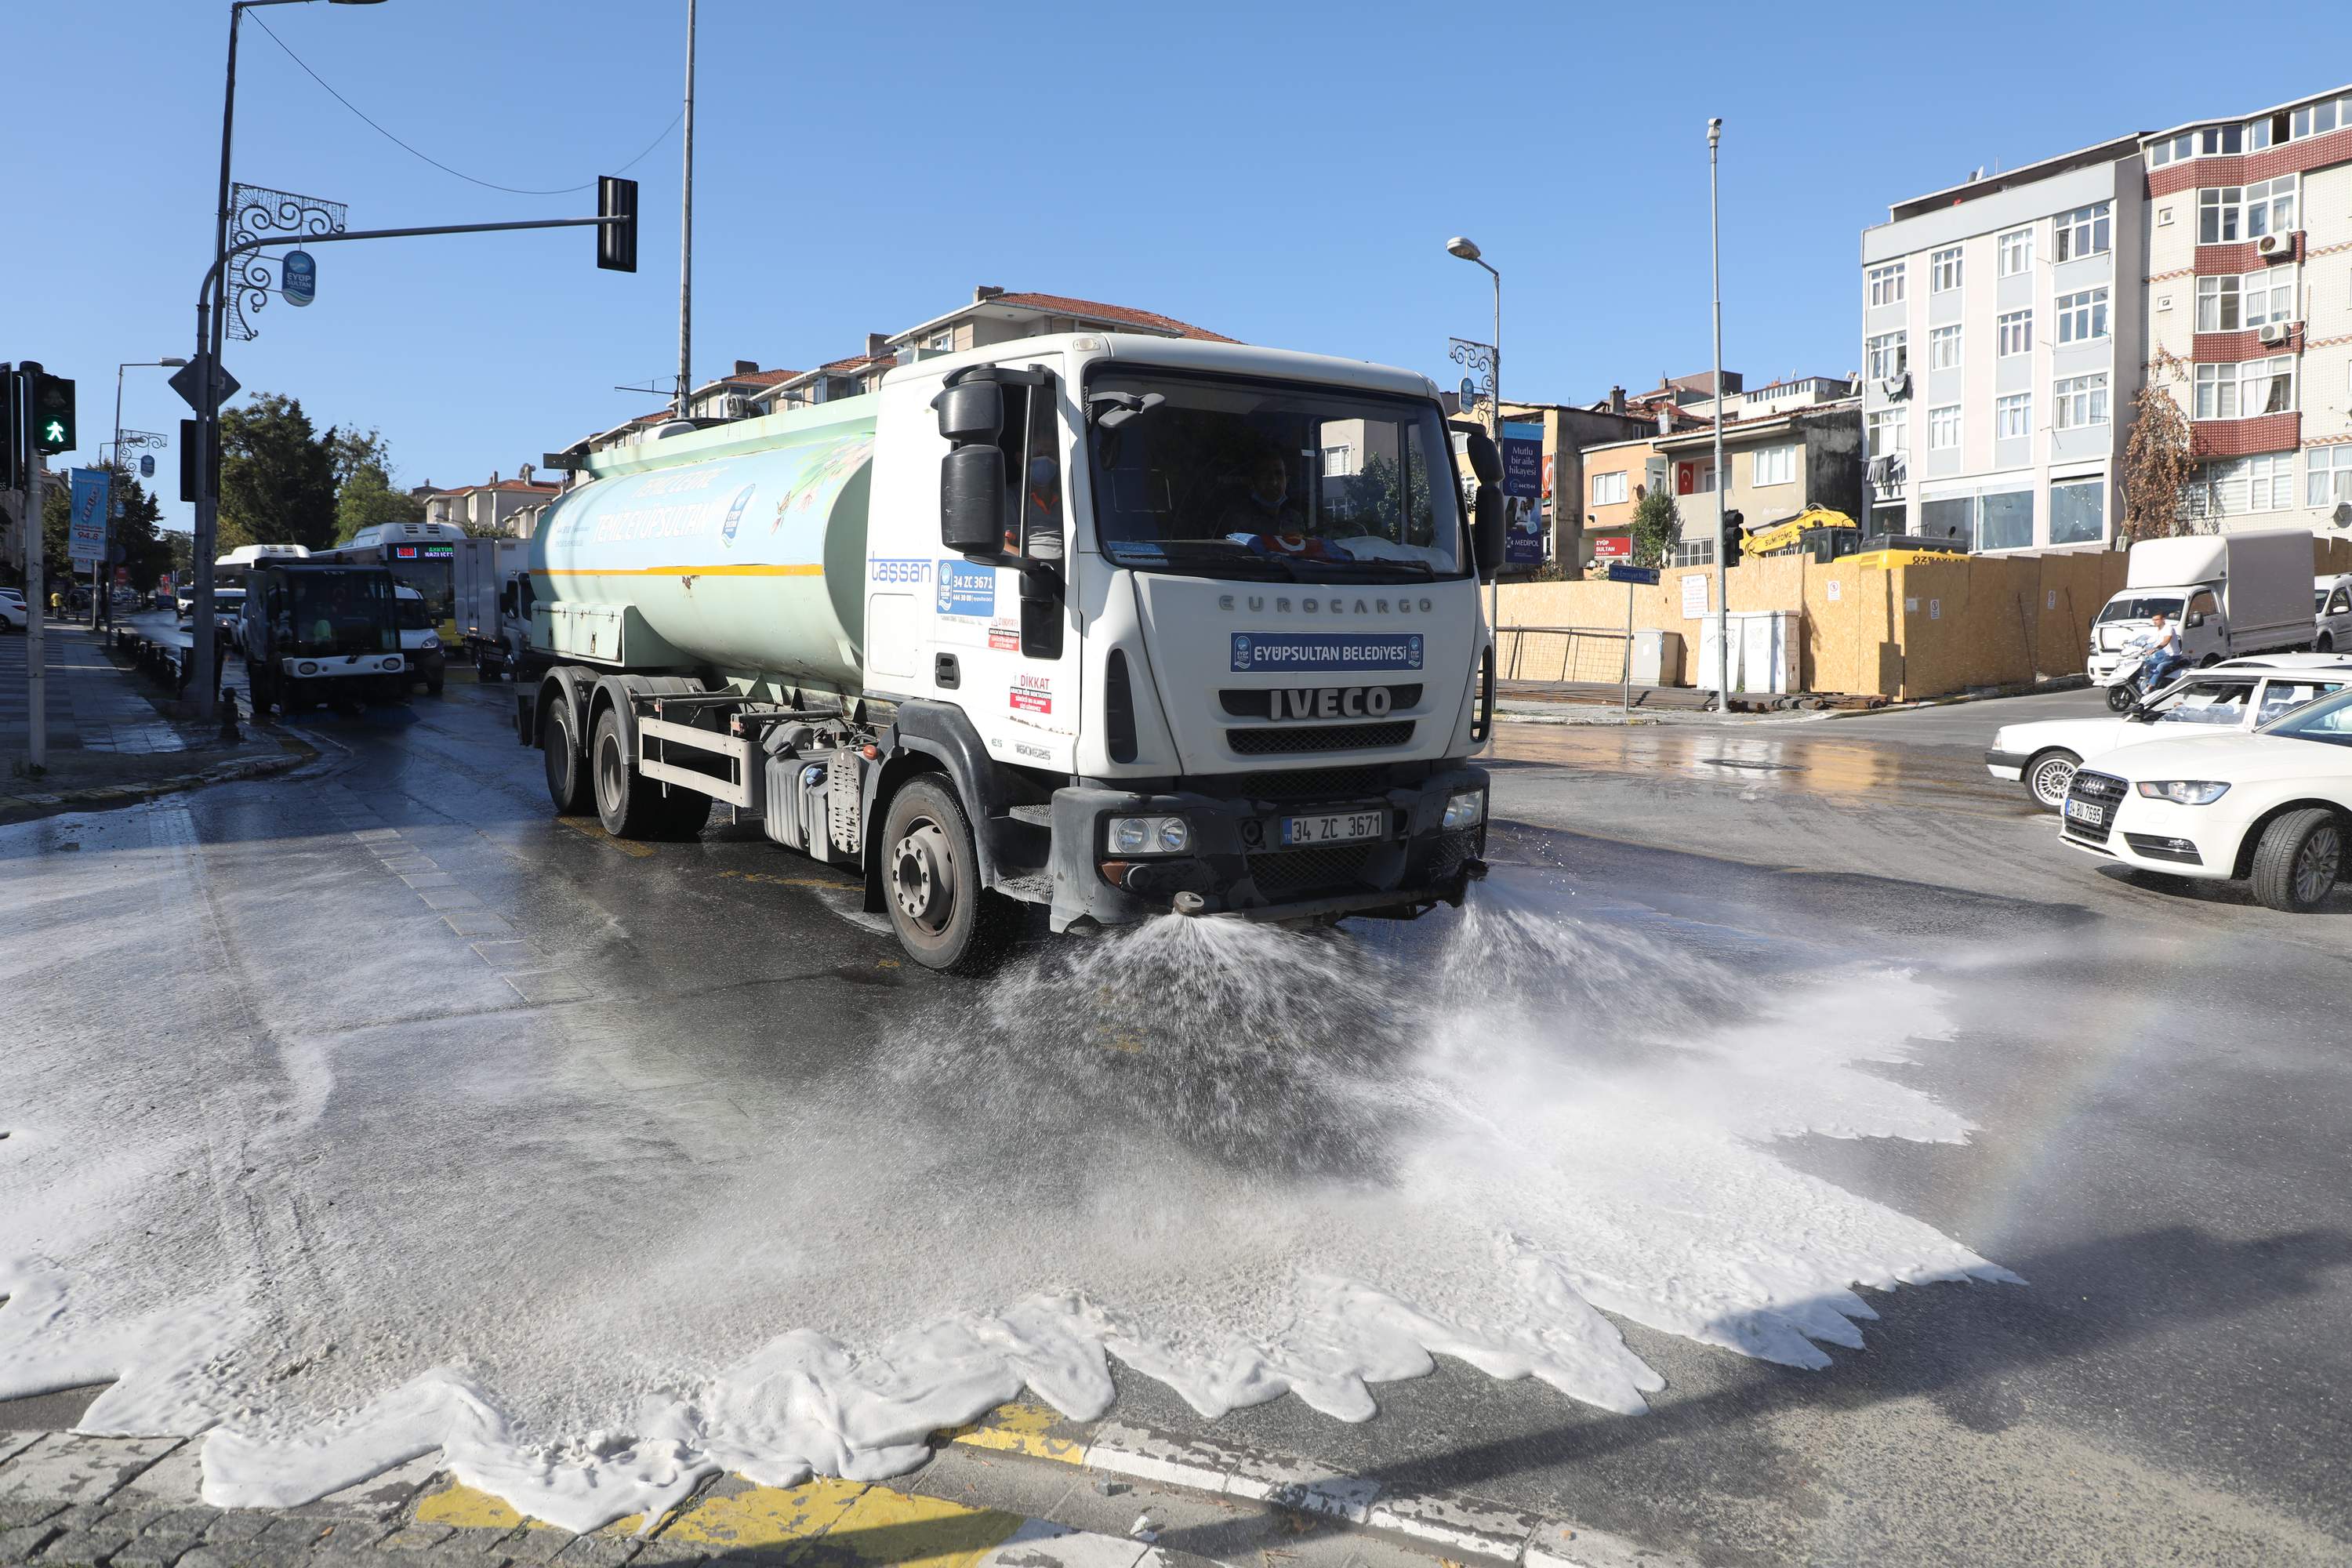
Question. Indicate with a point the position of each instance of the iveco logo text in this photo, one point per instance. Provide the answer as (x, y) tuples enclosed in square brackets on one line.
[(1256, 604)]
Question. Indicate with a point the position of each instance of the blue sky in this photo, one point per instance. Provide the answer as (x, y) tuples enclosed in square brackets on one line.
[(1285, 173)]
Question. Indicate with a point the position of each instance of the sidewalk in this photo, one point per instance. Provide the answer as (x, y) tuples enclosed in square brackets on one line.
[(109, 740)]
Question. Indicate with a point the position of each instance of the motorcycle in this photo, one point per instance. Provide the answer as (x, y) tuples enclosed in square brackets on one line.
[(2125, 684)]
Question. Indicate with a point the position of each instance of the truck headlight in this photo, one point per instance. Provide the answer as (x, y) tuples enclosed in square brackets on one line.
[(1468, 809), (2184, 792), (431, 641), (1149, 835)]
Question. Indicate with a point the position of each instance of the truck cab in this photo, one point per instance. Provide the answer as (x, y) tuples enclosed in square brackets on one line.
[(314, 634), (1105, 625)]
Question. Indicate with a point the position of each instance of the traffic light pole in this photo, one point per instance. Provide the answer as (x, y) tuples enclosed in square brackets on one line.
[(37, 604), (211, 309)]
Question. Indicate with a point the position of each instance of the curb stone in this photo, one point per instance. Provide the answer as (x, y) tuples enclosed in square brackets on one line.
[(12, 807), (131, 1502)]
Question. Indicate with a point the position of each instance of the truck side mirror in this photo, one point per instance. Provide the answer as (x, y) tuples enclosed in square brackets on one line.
[(1486, 460), (971, 500), (1487, 528), (970, 411), (2195, 619)]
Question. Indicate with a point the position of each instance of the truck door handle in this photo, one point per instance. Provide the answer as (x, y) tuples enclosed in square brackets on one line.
[(944, 671)]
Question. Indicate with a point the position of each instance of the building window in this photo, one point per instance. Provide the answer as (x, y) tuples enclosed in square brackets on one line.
[(1889, 432), (2257, 300), (1889, 355), (2319, 119), (1339, 462), (2182, 146), (2217, 304), (2016, 332), (1944, 348), (2005, 521), (2328, 475), (1694, 553), (2270, 482), (2083, 232), (2083, 317), (1702, 476), (2270, 207), (2221, 138), (942, 341), (1886, 285), (2016, 252), (2217, 213), (1609, 490), (2229, 213), (2078, 513), (1944, 428), (2242, 391), (1776, 465), (1944, 270), (2013, 416), (2078, 401)]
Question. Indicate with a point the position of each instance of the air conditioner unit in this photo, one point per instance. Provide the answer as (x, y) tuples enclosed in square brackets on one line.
[(2274, 244), (2277, 332)]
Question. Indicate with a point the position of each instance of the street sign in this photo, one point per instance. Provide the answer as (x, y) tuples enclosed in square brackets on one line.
[(1612, 547), (1621, 572), (298, 277), (188, 381), (86, 541), (1467, 393), (146, 465)]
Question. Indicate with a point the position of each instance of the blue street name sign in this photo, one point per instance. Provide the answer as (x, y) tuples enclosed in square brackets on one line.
[(298, 277), (1632, 573)]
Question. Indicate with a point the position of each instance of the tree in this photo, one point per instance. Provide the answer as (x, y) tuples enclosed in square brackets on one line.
[(1657, 525), (365, 492), (277, 476), (2159, 460)]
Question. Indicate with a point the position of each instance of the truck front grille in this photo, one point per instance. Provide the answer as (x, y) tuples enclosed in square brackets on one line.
[(1314, 784), (1276, 740), (1328, 868)]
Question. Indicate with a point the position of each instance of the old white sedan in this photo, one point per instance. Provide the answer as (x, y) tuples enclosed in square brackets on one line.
[(2270, 808), (2238, 696)]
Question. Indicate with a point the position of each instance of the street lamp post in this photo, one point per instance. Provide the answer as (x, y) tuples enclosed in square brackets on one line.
[(174, 361), (1463, 247), (1722, 578), (209, 322)]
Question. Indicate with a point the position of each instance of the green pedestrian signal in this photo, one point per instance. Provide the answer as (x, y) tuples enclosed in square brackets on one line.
[(53, 414)]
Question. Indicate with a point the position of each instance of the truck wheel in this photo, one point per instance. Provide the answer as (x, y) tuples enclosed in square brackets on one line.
[(945, 919), (632, 806), (2047, 776), (2296, 863), (560, 750)]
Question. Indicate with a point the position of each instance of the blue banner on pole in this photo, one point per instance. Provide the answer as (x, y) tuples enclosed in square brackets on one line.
[(298, 277), (1523, 540), (86, 541)]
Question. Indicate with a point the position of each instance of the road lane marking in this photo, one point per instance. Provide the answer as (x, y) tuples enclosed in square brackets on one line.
[(461, 1507), (1022, 1429), (771, 880), (747, 1517)]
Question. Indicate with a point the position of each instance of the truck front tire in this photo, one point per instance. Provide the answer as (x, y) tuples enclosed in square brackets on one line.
[(931, 882), (565, 758)]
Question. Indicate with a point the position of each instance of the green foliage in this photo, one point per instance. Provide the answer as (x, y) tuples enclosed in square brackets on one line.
[(1657, 525), (277, 476), (368, 498)]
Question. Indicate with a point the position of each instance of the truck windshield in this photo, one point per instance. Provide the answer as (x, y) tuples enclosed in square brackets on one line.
[(2129, 608), (1230, 478), (339, 612)]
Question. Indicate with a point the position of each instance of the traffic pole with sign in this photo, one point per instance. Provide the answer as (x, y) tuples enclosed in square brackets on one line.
[(36, 608), (1632, 576)]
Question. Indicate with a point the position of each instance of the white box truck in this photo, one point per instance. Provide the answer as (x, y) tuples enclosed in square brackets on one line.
[(2230, 594), (1103, 625)]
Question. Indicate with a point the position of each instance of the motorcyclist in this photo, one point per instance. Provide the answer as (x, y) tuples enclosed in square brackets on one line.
[(2163, 653)]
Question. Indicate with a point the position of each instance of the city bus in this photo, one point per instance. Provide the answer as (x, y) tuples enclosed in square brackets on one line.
[(422, 556)]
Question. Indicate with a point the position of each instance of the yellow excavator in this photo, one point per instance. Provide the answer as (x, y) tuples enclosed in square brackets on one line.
[(1827, 535)]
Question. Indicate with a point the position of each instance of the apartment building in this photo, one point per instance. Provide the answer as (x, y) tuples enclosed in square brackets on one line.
[(2009, 324), (2003, 340), (510, 506), (2250, 292), (1786, 447)]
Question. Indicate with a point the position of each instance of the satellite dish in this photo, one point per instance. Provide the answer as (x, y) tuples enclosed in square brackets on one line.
[(2342, 515)]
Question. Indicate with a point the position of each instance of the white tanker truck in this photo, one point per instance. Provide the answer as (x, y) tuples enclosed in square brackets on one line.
[(1112, 625)]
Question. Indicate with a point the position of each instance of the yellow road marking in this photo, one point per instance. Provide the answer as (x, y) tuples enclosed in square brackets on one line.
[(1024, 1430), (893, 1528), (765, 1516), (769, 880), (589, 827), (464, 1507)]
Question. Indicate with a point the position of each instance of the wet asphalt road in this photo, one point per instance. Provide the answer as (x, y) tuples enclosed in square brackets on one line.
[(2161, 1078)]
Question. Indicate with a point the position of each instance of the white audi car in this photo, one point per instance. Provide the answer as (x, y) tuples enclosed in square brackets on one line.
[(2239, 696), (2270, 808)]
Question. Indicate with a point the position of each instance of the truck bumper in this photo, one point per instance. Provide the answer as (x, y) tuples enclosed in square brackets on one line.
[(1237, 864)]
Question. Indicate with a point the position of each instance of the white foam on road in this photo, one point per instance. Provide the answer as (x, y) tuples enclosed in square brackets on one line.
[(590, 1254)]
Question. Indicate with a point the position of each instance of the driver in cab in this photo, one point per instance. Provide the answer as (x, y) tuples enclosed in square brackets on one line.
[(1265, 520)]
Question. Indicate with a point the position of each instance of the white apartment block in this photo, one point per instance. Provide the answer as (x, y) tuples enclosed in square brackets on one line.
[(2002, 342), (2009, 323)]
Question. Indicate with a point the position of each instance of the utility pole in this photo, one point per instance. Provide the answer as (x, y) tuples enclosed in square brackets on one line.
[(686, 239), (36, 605), (1722, 578)]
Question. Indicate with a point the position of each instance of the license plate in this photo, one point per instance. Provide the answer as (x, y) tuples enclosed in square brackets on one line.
[(2082, 812), (1337, 829)]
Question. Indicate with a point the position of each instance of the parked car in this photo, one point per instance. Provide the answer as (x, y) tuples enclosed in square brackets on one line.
[(2238, 695), (185, 601), (418, 639), (2331, 604), (12, 611), (2270, 808)]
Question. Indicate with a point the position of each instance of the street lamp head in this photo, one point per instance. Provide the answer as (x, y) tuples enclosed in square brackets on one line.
[(1714, 131), (1460, 245), (172, 362)]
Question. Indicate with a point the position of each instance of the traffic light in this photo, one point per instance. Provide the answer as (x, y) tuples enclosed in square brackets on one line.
[(192, 446), (616, 243), (53, 414), (10, 459), (1735, 535)]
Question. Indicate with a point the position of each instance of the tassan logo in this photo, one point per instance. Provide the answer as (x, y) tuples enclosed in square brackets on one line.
[(915, 569)]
